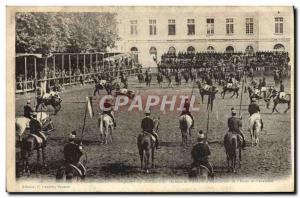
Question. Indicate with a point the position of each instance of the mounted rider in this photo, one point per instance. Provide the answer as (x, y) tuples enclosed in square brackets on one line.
[(186, 111), (72, 155), (28, 110), (235, 124), (108, 108), (200, 154), (147, 126), (36, 128), (254, 112), (281, 94)]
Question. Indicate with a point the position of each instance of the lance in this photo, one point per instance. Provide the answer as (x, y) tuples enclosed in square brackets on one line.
[(84, 122), (241, 96)]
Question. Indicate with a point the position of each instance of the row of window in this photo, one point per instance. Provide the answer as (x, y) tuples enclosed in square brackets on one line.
[(191, 49), (210, 26)]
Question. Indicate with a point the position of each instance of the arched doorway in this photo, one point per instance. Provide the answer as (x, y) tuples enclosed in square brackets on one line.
[(279, 47), (153, 53), (249, 50), (229, 49), (134, 52), (191, 50), (210, 49), (172, 50)]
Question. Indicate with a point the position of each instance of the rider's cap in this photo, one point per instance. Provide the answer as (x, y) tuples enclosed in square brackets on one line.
[(147, 112), (201, 135), (233, 111), (28, 101), (72, 135)]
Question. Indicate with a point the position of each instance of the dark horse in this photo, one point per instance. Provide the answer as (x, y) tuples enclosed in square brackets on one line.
[(232, 144), (211, 92), (146, 147), (148, 79), (233, 88), (159, 79), (30, 144), (54, 101), (276, 100)]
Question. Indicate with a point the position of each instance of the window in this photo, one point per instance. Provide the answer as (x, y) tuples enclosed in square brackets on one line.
[(191, 50), (249, 25), (153, 53), (249, 50), (229, 49), (171, 27), (152, 27), (172, 50), (279, 47), (210, 49), (210, 26), (278, 25), (229, 26), (191, 26), (133, 27)]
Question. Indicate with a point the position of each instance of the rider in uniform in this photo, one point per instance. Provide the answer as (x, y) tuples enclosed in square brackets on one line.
[(148, 126), (108, 108), (281, 90), (200, 153), (73, 153), (234, 125), (254, 108), (28, 110), (36, 127), (186, 111)]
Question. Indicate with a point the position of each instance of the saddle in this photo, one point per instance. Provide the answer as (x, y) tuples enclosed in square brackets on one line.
[(39, 139), (229, 85), (151, 135), (281, 95), (207, 87)]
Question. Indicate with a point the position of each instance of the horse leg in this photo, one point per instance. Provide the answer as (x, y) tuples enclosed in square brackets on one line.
[(110, 132), (147, 160), (287, 107), (228, 162), (152, 155), (44, 157), (240, 156), (141, 152), (38, 157)]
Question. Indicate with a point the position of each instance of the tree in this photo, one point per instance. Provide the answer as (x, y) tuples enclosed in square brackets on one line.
[(65, 32)]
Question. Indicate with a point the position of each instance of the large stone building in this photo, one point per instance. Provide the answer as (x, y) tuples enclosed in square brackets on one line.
[(157, 30)]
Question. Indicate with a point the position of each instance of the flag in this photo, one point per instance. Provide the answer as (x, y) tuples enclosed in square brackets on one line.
[(90, 106)]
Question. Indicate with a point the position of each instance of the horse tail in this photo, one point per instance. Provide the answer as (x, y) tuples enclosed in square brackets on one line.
[(234, 146)]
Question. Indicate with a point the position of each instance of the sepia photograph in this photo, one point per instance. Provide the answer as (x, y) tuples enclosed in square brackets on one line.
[(150, 99)]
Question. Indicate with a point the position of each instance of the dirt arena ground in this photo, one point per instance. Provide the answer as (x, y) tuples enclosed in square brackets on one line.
[(120, 160)]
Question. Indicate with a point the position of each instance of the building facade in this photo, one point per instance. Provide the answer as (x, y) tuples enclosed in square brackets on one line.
[(158, 30)]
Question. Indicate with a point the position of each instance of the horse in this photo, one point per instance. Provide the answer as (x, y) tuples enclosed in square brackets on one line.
[(140, 78), (232, 143), (178, 78), (255, 127), (199, 173), (185, 123), (159, 79), (70, 172), (230, 87), (148, 79), (22, 123), (206, 90), (30, 144), (125, 92), (277, 100), (146, 146), (186, 77), (54, 101), (99, 86), (106, 126)]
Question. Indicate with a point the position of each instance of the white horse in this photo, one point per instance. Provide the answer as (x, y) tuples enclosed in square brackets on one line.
[(106, 126), (185, 123), (255, 127), (22, 123)]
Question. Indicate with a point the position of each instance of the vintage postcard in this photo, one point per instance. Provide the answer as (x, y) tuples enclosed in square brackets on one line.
[(150, 99)]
